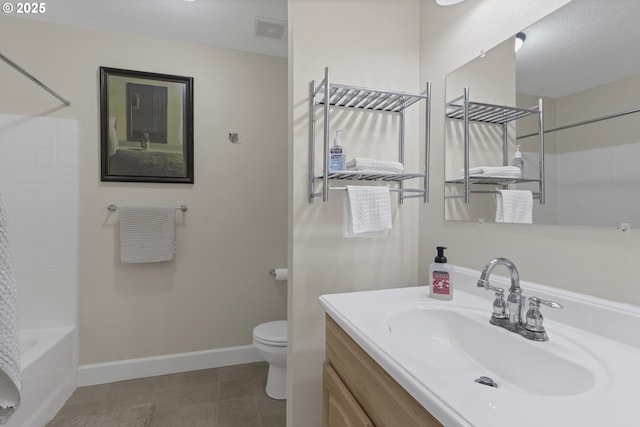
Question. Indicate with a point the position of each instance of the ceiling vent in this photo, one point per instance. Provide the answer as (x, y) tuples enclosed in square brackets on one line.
[(269, 28)]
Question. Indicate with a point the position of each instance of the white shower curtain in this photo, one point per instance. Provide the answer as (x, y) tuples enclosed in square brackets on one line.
[(10, 376)]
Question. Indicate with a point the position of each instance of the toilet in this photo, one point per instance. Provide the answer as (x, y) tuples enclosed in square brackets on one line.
[(270, 339)]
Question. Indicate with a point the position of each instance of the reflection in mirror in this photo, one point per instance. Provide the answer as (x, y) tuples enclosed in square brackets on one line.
[(579, 60), (147, 112)]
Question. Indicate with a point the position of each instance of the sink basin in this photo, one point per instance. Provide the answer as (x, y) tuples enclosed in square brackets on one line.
[(463, 340), (587, 371)]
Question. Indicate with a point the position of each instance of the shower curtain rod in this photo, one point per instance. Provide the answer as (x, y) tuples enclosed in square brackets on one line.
[(585, 122), (33, 79)]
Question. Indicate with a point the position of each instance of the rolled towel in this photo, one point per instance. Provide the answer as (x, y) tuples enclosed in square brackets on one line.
[(494, 171), (366, 164)]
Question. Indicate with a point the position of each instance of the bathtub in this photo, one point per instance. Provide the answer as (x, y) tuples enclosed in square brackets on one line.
[(49, 374)]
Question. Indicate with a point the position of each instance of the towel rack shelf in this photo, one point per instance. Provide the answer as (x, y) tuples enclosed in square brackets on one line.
[(331, 95), (114, 208), (372, 176), (492, 180), (534, 194), (467, 111)]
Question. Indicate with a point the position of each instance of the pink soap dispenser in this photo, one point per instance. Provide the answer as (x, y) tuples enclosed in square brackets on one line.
[(440, 285)]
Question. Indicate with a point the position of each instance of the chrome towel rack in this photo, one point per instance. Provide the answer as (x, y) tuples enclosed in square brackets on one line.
[(113, 207)]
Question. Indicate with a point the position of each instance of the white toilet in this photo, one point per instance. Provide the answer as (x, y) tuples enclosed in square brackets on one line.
[(270, 339)]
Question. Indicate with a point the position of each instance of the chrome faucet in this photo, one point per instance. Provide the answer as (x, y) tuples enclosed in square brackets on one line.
[(514, 321)]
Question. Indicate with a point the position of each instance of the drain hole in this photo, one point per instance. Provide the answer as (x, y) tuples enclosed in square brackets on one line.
[(486, 381)]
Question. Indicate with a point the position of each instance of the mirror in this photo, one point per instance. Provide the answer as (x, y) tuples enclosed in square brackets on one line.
[(579, 61)]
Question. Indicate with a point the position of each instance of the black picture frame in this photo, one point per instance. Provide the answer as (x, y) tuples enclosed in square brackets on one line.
[(146, 126)]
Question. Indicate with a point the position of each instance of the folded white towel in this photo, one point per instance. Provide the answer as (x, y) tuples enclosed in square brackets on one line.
[(10, 374), (514, 206), (366, 164), (494, 171), (147, 234), (367, 210)]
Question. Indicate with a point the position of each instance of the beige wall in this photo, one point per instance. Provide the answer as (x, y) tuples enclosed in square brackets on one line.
[(218, 288), (371, 44), (597, 261), (614, 97)]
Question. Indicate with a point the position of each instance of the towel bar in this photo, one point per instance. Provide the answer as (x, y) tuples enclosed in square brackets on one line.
[(113, 207)]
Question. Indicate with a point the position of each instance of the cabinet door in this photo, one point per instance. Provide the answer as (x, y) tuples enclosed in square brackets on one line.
[(340, 409)]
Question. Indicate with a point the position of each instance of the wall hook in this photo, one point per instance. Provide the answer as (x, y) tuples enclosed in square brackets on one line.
[(233, 136)]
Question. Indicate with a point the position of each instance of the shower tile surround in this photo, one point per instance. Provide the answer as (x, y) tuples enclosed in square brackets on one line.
[(39, 180)]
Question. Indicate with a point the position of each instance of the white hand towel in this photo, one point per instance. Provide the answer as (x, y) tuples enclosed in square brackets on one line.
[(10, 374), (147, 234), (494, 171), (367, 210), (366, 164), (514, 206)]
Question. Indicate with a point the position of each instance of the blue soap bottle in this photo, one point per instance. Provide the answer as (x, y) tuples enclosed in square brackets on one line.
[(337, 155)]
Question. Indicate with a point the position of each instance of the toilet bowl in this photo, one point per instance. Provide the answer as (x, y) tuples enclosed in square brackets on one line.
[(270, 339)]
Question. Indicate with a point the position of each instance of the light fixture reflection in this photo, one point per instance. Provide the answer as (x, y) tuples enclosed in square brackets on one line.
[(448, 2), (520, 38)]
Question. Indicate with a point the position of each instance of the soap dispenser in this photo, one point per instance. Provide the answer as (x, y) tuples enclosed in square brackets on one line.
[(517, 160), (337, 155), (440, 285)]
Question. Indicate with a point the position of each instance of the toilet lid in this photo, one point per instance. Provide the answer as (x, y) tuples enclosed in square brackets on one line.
[(271, 333)]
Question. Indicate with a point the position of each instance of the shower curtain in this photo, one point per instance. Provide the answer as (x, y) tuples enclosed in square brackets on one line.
[(10, 376)]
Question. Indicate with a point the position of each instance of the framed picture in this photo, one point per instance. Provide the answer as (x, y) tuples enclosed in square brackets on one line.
[(146, 123)]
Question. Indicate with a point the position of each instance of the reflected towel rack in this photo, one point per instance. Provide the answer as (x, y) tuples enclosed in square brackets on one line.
[(113, 207), (33, 79)]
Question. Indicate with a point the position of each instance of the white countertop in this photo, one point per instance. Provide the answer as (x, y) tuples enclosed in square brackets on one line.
[(597, 337)]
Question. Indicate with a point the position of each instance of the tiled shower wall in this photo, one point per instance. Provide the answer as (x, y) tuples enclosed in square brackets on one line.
[(39, 181)]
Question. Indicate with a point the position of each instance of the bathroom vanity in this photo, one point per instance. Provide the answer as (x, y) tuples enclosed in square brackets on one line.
[(396, 357), (359, 393)]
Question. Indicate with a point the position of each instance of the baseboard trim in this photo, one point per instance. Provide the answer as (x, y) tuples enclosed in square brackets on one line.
[(101, 373)]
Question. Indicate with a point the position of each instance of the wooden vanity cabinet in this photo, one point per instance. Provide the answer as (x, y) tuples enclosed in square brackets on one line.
[(360, 393), (340, 407)]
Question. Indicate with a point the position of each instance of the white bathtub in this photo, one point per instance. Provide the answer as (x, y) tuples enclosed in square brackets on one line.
[(49, 374)]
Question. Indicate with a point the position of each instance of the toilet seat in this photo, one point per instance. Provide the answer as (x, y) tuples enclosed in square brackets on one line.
[(271, 333)]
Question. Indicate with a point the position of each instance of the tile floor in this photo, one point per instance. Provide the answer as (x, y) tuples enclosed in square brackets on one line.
[(220, 397)]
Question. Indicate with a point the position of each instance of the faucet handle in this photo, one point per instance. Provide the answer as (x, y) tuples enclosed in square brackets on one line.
[(499, 305), (485, 284), (535, 302), (534, 319)]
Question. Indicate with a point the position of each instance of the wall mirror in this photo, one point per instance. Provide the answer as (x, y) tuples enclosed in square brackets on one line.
[(579, 65)]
